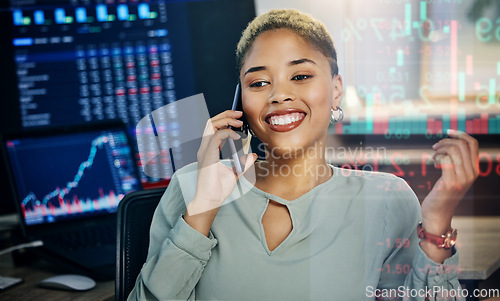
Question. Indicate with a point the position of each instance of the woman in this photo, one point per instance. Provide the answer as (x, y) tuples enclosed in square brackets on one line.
[(305, 230)]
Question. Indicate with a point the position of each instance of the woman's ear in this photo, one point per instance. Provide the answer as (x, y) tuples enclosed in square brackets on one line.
[(338, 91)]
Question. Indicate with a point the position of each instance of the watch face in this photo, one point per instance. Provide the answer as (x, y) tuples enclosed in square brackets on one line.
[(450, 239), (446, 240)]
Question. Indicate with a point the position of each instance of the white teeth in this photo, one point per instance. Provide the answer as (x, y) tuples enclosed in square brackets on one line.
[(286, 119)]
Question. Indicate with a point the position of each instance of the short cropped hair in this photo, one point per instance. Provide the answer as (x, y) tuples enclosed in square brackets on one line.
[(310, 29)]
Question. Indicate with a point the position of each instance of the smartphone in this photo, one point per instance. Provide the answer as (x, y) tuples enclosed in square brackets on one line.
[(234, 153)]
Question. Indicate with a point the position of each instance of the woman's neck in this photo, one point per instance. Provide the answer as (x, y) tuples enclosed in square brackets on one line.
[(292, 174)]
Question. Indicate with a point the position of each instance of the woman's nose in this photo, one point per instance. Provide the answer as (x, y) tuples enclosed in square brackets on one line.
[(281, 92)]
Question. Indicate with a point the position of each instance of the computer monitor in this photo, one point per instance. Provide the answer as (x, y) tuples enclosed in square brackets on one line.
[(77, 62), (65, 173), (67, 62)]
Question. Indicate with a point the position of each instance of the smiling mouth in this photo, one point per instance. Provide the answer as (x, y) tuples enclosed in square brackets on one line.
[(285, 122)]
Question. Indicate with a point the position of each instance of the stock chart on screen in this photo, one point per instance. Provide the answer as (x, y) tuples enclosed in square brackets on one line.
[(88, 61), (74, 62), (84, 61), (413, 69), (71, 175), (422, 67)]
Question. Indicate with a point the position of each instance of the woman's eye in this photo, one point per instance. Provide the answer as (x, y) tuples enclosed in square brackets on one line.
[(301, 77), (259, 84)]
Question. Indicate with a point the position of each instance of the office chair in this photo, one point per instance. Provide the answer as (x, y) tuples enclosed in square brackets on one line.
[(134, 216)]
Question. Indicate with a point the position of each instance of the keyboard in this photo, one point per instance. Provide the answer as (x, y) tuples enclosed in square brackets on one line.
[(6, 282), (86, 238)]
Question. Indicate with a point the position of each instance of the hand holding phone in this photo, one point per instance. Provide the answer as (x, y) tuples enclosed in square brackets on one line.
[(216, 182)]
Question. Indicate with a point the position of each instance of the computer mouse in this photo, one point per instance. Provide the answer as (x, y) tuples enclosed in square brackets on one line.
[(68, 282)]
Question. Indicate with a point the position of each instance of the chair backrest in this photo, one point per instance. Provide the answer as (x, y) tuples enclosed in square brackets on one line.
[(134, 216)]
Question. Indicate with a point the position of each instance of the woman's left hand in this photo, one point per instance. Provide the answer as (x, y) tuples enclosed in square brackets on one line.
[(458, 158)]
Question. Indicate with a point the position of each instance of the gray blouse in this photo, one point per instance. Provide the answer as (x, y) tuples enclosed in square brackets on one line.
[(354, 238)]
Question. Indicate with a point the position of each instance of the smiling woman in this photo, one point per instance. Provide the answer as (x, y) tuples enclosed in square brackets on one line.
[(305, 230), (287, 75)]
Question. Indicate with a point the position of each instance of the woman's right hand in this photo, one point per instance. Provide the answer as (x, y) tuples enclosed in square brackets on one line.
[(215, 181)]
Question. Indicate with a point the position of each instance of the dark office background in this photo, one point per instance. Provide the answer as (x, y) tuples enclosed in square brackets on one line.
[(214, 27)]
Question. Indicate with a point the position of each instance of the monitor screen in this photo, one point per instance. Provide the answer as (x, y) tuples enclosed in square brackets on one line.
[(68, 62), (84, 61), (62, 176)]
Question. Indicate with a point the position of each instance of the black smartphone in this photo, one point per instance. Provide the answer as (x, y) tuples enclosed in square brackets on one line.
[(237, 99), (234, 153)]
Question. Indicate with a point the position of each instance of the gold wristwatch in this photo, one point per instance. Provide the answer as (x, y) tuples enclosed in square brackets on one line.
[(445, 241)]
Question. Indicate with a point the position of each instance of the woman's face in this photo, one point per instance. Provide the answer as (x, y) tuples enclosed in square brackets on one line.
[(288, 91)]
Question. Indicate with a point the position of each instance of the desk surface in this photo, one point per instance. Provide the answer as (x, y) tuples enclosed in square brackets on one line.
[(28, 290), (478, 244)]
